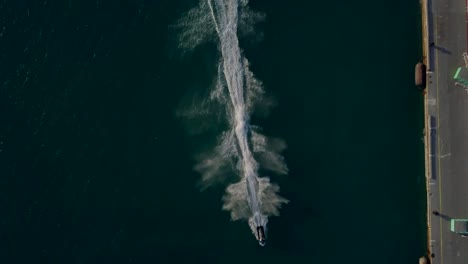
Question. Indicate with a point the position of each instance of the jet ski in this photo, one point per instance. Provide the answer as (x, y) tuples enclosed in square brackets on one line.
[(261, 236)]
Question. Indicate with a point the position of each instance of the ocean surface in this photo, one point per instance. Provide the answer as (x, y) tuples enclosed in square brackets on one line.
[(97, 167)]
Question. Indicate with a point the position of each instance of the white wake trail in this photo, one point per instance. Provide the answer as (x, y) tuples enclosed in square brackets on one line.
[(225, 19), (252, 197)]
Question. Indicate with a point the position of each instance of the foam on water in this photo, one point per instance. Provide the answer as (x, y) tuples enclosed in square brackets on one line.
[(252, 197)]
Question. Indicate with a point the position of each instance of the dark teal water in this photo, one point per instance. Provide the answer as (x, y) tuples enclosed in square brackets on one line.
[(96, 168)]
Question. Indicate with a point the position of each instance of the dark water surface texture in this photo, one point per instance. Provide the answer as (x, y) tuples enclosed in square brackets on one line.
[(95, 166)]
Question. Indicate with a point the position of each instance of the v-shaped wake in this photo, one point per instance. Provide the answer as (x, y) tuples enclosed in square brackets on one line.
[(252, 197)]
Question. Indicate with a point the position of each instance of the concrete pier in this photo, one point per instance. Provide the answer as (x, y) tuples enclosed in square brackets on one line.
[(446, 128)]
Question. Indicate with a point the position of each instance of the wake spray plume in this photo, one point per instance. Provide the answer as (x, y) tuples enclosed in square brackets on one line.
[(241, 148)]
